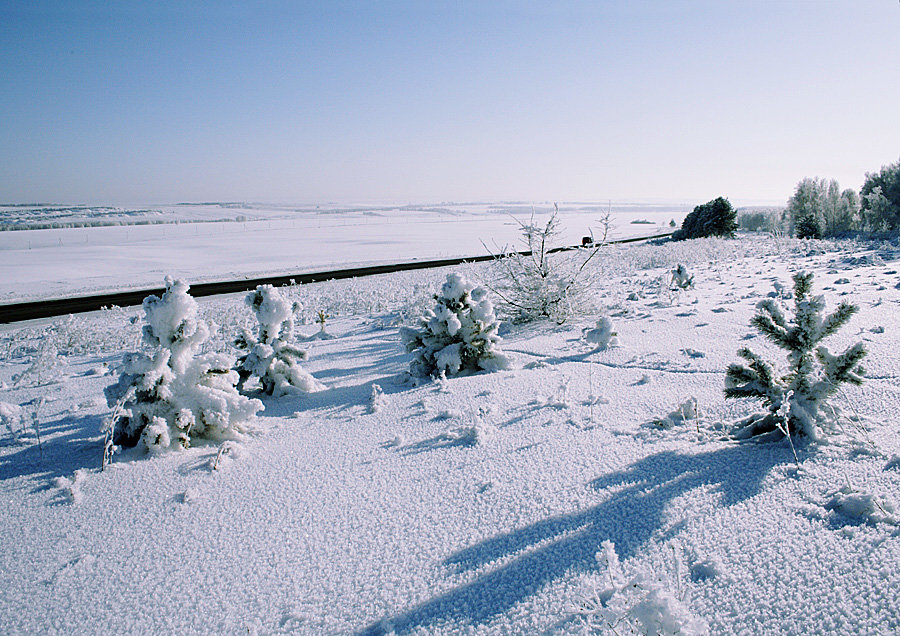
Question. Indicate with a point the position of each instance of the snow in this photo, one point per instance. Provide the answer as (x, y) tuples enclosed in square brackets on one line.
[(475, 504)]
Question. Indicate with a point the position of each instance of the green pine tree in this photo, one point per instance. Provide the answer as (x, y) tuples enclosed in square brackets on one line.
[(795, 400)]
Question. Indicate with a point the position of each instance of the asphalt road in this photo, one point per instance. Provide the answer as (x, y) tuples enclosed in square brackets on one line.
[(15, 312)]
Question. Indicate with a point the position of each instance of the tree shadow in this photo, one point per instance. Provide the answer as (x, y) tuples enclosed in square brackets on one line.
[(67, 444), (336, 399), (444, 440), (543, 552)]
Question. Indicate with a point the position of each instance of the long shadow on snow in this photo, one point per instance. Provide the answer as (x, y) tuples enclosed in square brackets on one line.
[(380, 351), (334, 399), (396, 359), (68, 443), (434, 443), (569, 542)]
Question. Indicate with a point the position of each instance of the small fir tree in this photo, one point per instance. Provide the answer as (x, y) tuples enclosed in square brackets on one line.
[(682, 278), (458, 336), (270, 357), (602, 336), (172, 395), (795, 400)]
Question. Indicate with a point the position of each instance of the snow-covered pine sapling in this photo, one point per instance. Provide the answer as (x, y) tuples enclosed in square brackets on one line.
[(681, 278), (176, 395), (795, 400), (12, 416), (271, 357), (458, 336), (321, 317), (603, 335)]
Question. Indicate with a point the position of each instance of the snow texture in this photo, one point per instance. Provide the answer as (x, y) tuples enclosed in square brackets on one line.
[(326, 518)]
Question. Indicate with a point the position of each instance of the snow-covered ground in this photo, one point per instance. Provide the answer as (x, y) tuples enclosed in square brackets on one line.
[(347, 515), (104, 249)]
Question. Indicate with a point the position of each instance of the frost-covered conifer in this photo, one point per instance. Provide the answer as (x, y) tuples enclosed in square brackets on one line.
[(458, 336), (603, 335), (12, 416), (681, 278), (173, 394), (270, 356), (795, 400)]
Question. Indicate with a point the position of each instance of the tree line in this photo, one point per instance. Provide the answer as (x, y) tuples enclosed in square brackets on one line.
[(818, 208)]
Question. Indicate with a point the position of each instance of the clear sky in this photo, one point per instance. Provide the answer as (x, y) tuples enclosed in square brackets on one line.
[(422, 101)]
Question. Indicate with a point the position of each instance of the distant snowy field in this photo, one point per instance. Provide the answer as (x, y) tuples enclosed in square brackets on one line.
[(79, 250), (340, 516)]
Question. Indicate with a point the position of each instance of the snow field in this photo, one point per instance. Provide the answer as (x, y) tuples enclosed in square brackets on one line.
[(268, 240), (334, 519)]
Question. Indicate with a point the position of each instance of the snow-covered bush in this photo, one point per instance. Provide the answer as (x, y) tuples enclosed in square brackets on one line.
[(636, 602), (458, 336), (864, 506), (471, 435), (377, 400), (70, 488), (270, 355), (172, 395), (687, 411), (541, 283), (681, 278), (13, 417), (795, 400), (47, 365), (603, 335)]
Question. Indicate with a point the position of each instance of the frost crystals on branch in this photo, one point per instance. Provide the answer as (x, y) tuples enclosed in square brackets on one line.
[(271, 357), (636, 602), (795, 400), (459, 336), (174, 395)]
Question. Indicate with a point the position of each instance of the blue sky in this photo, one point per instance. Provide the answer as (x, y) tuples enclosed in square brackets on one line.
[(309, 102)]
